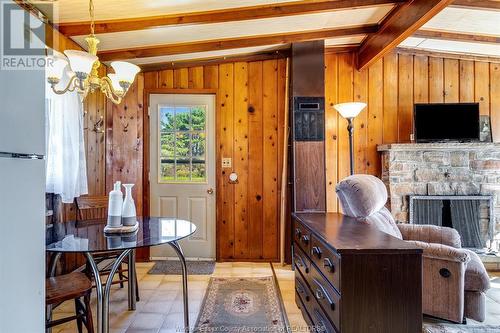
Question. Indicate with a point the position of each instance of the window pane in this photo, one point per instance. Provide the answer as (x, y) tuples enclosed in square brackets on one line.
[(166, 119), (198, 117), (167, 144), (182, 119), (182, 141), (183, 171), (167, 170), (199, 171), (182, 145), (198, 145)]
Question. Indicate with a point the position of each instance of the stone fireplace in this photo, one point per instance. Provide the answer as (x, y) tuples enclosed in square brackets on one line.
[(441, 169)]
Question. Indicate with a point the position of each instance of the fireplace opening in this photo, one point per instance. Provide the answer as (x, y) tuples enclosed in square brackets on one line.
[(471, 216)]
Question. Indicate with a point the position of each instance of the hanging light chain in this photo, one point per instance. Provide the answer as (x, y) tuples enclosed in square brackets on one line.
[(91, 12)]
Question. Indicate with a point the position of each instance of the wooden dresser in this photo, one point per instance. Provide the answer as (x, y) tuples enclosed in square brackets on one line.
[(352, 278)]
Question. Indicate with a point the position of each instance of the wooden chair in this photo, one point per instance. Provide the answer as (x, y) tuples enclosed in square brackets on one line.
[(96, 207), (72, 286)]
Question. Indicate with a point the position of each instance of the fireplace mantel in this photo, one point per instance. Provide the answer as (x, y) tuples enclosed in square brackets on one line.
[(440, 169), (448, 146)]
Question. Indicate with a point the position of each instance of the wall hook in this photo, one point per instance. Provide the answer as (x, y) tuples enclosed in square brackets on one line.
[(97, 126)]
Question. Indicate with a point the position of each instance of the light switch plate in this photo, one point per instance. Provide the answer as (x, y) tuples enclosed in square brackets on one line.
[(227, 162)]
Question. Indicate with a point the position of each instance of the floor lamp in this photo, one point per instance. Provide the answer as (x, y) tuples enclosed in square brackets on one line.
[(349, 111)]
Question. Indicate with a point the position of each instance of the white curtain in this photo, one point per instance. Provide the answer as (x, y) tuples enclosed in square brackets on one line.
[(66, 165)]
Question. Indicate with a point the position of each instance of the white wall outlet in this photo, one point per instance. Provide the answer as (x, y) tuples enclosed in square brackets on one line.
[(412, 137), (227, 162)]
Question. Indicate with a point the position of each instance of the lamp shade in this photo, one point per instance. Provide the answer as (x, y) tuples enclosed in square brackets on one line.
[(115, 83), (80, 62), (349, 110), (125, 71), (55, 67)]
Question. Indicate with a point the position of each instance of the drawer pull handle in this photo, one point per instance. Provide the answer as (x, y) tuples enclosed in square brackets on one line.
[(300, 289), (316, 251), (305, 239), (299, 262), (297, 232), (320, 324), (321, 293), (328, 264)]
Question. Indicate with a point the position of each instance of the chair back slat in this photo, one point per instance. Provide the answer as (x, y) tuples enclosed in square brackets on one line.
[(91, 207)]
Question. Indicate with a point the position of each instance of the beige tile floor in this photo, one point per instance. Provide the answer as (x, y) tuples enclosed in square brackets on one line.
[(160, 307)]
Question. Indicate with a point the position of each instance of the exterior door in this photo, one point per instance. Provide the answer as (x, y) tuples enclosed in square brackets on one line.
[(182, 167)]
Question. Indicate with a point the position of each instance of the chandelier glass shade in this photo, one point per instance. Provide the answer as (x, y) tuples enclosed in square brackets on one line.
[(82, 68)]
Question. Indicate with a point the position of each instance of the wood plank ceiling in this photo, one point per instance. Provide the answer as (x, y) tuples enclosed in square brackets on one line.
[(468, 27), (180, 30), (167, 32)]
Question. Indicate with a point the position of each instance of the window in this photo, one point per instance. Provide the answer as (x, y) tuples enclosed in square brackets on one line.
[(182, 135)]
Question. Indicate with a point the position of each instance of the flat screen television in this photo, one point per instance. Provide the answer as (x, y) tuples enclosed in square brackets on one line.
[(443, 122)]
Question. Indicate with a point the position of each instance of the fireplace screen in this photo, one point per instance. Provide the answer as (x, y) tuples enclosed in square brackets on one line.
[(471, 216)]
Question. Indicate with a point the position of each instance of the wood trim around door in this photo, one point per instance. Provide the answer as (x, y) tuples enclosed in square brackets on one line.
[(146, 143)]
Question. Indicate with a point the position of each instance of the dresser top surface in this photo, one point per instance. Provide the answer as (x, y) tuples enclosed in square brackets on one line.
[(348, 235)]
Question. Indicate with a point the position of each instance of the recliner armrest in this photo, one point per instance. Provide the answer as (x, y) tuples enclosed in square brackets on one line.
[(442, 252), (430, 234)]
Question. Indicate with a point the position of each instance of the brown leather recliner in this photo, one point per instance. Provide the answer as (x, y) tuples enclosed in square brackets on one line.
[(454, 279)]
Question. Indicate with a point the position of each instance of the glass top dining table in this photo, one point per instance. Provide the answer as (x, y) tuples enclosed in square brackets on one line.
[(88, 237)]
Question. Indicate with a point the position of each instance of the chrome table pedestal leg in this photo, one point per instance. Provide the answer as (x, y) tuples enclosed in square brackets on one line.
[(98, 289), (178, 250), (103, 291), (107, 290), (131, 280)]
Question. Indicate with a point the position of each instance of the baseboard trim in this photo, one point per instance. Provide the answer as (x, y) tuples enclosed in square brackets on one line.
[(177, 259)]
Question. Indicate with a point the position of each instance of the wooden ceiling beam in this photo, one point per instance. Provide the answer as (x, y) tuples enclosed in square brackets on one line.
[(259, 56), (233, 43), (218, 16), (448, 54), (400, 24), (456, 36), (477, 4)]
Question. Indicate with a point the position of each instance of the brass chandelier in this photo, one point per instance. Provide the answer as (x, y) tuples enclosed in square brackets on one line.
[(82, 69)]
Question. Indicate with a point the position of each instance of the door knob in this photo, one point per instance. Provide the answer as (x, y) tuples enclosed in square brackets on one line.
[(210, 191)]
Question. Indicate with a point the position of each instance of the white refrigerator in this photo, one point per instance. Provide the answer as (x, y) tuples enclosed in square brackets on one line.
[(22, 201)]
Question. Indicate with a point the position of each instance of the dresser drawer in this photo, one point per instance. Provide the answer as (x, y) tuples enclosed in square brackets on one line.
[(303, 308), (302, 289), (321, 324), (311, 311), (325, 295), (302, 236), (327, 261), (301, 261)]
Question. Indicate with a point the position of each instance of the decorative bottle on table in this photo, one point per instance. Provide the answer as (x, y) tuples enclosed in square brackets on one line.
[(129, 217), (115, 206)]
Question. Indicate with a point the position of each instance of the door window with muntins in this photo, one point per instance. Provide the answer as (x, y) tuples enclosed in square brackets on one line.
[(182, 148)]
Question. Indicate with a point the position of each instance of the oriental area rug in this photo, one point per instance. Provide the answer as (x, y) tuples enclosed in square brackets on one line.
[(242, 305)]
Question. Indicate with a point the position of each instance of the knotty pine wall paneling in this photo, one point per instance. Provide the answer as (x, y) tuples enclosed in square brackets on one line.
[(124, 142), (390, 87), (249, 129), (125, 146), (240, 162)]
